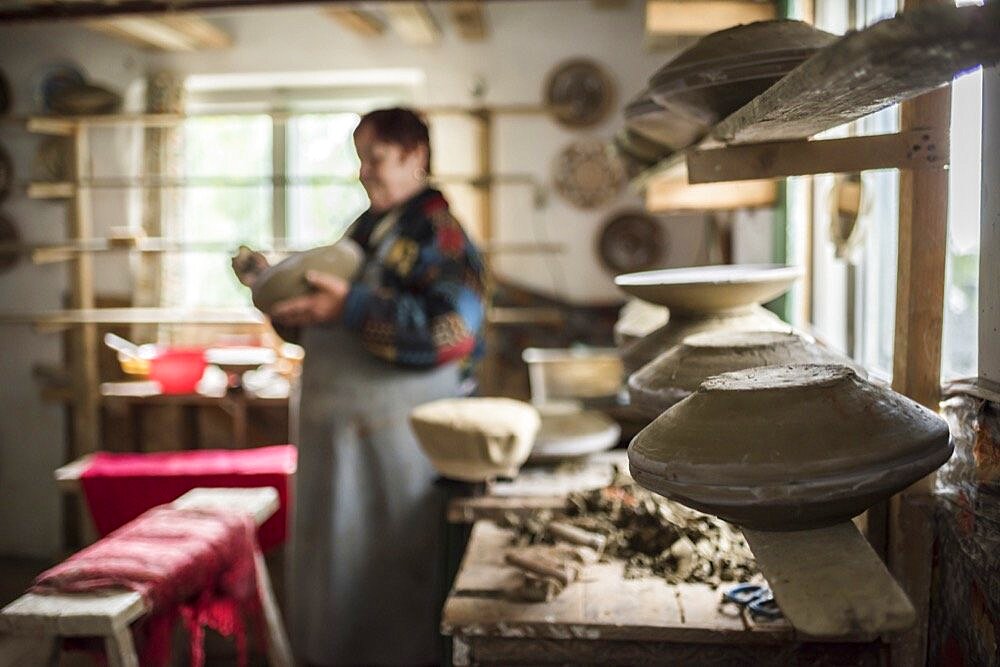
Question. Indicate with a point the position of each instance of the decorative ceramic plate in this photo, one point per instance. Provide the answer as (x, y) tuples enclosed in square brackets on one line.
[(6, 173), (8, 235), (632, 241), (52, 159), (588, 174), (579, 93), (55, 79), (710, 289), (6, 101)]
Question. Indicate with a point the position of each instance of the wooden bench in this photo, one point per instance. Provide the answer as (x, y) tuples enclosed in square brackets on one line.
[(44, 619)]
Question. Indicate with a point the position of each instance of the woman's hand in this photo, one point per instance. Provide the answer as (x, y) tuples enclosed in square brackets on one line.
[(323, 305)]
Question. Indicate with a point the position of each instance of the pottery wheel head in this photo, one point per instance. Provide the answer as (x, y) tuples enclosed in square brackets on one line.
[(797, 376)]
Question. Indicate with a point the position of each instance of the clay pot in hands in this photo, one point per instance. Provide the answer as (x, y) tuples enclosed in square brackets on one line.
[(287, 278), (678, 372), (476, 439), (788, 447)]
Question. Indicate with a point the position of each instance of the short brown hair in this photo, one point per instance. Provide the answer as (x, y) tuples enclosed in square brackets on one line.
[(401, 126)]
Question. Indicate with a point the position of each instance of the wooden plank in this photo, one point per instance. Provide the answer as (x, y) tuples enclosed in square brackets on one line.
[(68, 476), (71, 615), (146, 32), (670, 191), (700, 17), (413, 22), (989, 233), (469, 17), (205, 35), (40, 190), (830, 583), (868, 70), (916, 149), (359, 21), (602, 605), (259, 502), (133, 316)]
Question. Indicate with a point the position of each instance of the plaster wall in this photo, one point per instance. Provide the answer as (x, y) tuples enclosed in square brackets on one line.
[(526, 40)]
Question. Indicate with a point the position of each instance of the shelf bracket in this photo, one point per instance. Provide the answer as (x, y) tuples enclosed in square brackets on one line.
[(914, 149)]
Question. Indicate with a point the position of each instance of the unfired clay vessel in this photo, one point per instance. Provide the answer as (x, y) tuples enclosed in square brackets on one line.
[(678, 372), (710, 289), (287, 278), (567, 434), (681, 325), (788, 447), (476, 439)]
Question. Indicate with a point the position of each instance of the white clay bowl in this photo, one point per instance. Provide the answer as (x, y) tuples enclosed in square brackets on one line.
[(788, 447), (573, 434), (476, 439), (710, 289)]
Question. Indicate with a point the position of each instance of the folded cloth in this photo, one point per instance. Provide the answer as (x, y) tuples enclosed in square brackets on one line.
[(120, 487), (189, 563)]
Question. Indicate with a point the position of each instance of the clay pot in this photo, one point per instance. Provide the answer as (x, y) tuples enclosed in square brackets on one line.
[(476, 439), (723, 72), (567, 434), (788, 447), (679, 371), (681, 325), (287, 278), (710, 289)]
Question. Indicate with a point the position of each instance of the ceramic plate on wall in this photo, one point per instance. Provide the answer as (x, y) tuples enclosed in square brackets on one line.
[(6, 173), (632, 241), (578, 93), (588, 174), (53, 80), (8, 234)]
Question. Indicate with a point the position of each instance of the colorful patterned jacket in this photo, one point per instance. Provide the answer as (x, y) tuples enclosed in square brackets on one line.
[(428, 308)]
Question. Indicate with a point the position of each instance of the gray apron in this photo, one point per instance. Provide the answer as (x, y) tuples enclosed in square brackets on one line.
[(367, 548)]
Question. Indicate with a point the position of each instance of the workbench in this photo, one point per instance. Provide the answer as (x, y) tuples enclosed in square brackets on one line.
[(606, 619)]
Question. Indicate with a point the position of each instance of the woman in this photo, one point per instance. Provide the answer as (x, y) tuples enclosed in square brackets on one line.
[(367, 554)]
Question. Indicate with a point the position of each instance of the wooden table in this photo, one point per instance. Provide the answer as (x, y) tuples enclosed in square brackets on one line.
[(606, 619), (537, 487)]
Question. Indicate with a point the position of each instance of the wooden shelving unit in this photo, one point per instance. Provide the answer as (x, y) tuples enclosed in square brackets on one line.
[(906, 59)]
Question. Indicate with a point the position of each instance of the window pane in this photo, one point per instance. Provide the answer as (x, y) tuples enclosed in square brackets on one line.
[(325, 195), (233, 153), (961, 295)]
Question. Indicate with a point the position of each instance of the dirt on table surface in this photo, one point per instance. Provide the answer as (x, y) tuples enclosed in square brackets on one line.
[(653, 535)]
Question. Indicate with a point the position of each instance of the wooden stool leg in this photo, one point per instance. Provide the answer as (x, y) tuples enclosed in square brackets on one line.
[(120, 649), (279, 653)]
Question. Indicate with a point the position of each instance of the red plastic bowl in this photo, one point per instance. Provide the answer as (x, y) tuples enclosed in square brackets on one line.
[(178, 369)]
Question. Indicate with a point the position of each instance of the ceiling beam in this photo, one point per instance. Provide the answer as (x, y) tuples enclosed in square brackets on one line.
[(700, 17), (173, 32), (359, 21), (413, 22), (469, 18)]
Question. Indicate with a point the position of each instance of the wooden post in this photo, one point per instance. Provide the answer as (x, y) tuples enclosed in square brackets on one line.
[(916, 366), (83, 353), (989, 232)]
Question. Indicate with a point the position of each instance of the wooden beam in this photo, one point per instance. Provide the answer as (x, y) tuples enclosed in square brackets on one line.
[(893, 60), (413, 22), (670, 191), (170, 32), (916, 149), (359, 21), (989, 232), (469, 18), (700, 17)]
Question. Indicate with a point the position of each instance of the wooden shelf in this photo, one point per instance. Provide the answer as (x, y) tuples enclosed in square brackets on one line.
[(868, 70), (64, 318), (60, 190), (863, 72)]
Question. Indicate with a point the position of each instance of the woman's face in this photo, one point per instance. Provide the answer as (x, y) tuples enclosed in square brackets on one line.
[(389, 174)]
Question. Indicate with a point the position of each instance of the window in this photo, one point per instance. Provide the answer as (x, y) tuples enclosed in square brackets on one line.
[(267, 166)]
